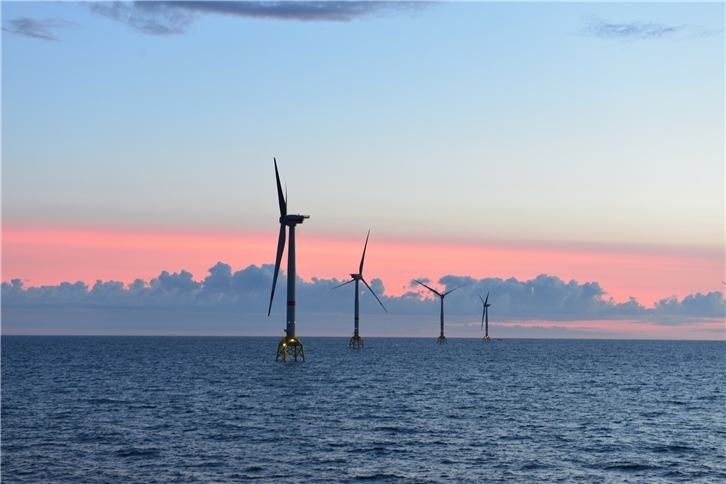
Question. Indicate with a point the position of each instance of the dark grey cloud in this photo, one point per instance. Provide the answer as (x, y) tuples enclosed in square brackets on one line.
[(544, 297), (640, 30), (247, 292), (37, 29), (169, 18), (692, 306)]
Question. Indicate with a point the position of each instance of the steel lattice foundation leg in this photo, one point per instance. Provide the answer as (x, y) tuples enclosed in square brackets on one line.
[(442, 340), (356, 342), (290, 347)]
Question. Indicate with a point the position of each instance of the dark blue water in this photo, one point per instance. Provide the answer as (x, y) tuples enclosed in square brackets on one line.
[(162, 409)]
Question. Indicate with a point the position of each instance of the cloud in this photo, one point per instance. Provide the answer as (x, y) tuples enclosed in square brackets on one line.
[(692, 306), (170, 18), (639, 30), (222, 291), (37, 29)]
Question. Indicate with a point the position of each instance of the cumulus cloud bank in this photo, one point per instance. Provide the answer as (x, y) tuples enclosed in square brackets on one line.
[(247, 292), (170, 18)]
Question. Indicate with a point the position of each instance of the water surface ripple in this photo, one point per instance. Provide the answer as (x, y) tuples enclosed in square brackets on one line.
[(188, 409)]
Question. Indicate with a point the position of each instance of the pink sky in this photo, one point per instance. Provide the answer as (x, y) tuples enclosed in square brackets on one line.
[(48, 255)]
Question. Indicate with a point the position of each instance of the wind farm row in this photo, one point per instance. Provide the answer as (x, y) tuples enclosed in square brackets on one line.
[(290, 346)]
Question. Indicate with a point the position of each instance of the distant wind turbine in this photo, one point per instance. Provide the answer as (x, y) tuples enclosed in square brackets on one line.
[(356, 341), (289, 345), (442, 338), (485, 316)]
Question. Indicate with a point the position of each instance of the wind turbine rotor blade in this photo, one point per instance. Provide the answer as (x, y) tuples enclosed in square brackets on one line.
[(485, 302), (341, 285), (278, 259), (360, 271), (374, 294), (454, 289), (484, 310), (280, 196), (427, 287)]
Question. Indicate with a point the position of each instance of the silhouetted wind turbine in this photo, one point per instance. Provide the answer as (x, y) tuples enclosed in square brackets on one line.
[(289, 345), (356, 341), (442, 338), (485, 316)]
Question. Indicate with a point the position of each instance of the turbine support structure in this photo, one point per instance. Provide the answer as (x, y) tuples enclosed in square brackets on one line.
[(442, 338), (289, 346), (356, 341), (485, 317)]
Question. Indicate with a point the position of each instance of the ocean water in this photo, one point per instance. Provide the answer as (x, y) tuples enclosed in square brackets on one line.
[(189, 409)]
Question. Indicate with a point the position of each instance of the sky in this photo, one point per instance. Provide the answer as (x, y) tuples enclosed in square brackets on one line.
[(567, 145)]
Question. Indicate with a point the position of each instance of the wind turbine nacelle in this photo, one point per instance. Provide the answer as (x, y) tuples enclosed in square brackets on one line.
[(294, 219)]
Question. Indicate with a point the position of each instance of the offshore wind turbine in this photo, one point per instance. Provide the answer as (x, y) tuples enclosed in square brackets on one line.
[(289, 345), (485, 316), (356, 341), (442, 338)]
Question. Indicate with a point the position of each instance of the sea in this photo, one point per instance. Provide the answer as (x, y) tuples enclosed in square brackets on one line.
[(221, 409)]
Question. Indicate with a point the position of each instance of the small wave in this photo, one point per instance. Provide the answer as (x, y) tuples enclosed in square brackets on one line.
[(378, 476), (653, 414), (61, 415), (629, 467), (394, 429), (207, 464), (104, 401), (138, 452), (673, 448), (51, 444)]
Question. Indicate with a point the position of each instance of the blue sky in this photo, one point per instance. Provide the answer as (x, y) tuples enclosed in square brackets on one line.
[(555, 124), (529, 118)]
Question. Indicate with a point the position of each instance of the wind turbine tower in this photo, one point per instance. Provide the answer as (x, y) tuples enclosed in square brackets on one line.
[(485, 317), (289, 345), (442, 338), (356, 341)]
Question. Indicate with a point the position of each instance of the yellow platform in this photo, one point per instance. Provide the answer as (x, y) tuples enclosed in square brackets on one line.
[(290, 347)]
